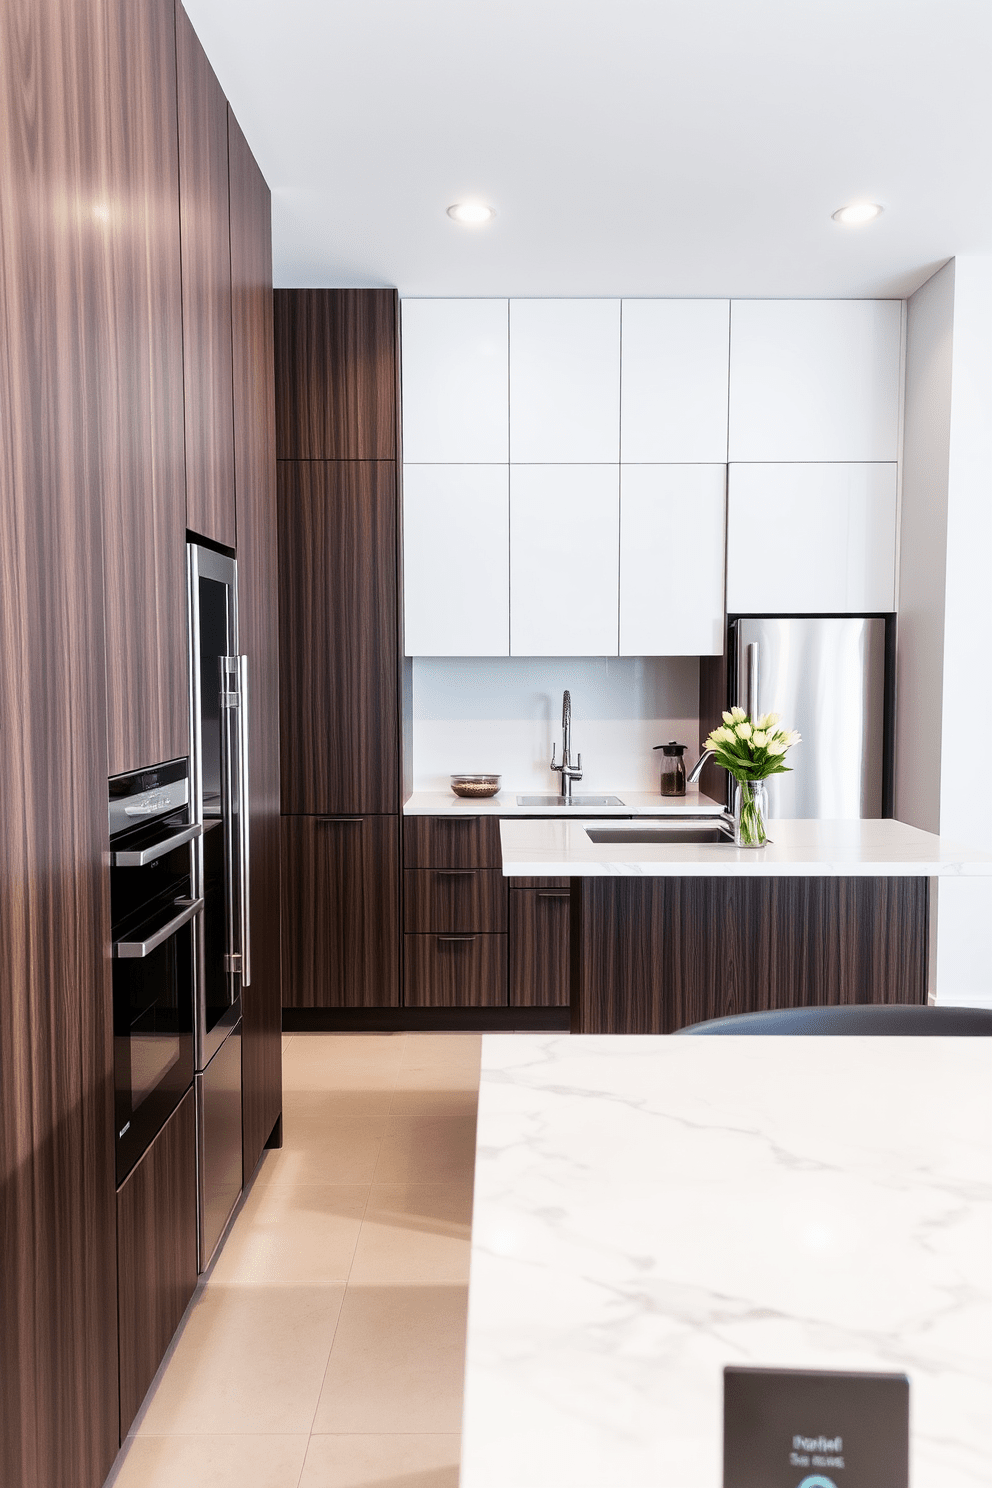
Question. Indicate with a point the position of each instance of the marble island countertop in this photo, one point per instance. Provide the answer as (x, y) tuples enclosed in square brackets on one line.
[(651, 1209), (797, 849), (635, 803)]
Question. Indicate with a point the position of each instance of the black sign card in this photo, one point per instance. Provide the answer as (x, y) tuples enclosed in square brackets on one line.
[(799, 1428)]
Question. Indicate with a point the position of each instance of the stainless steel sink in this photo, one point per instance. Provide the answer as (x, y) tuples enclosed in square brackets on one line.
[(575, 801), (703, 834)]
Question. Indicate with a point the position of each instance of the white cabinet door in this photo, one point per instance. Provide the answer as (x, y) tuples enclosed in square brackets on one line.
[(565, 381), (814, 379), (456, 560), (672, 559), (811, 539), (455, 395), (564, 556), (674, 370)]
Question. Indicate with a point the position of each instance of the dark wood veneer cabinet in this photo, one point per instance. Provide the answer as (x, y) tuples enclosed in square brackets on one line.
[(539, 947), (206, 283), (455, 970), (340, 897), (156, 1253), (255, 485), (451, 842)]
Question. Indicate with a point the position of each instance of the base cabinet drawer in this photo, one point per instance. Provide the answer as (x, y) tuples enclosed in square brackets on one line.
[(451, 842), (156, 1248), (540, 922), (460, 971), (455, 900)]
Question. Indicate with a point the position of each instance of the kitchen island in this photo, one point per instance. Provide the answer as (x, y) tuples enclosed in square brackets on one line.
[(667, 934), (650, 1210)]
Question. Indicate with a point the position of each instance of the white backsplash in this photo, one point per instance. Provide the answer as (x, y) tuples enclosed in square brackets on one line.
[(502, 714)]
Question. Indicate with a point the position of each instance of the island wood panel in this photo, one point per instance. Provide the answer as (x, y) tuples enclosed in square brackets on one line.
[(340, 912), (540, 921), (206, 283), (144, 483), (454, 899), (156, 1253), (336, 374), (255, 487), (654, 955), (338, 636), (451, 842), (539, 883), (455, 971), (58, 374)]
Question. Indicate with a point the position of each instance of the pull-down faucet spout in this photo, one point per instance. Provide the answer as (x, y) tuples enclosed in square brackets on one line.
[(567, 771)]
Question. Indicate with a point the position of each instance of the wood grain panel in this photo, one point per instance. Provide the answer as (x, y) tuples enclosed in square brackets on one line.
[(454, 899), (156, 1253), (336, 374), (540, 921), (656, 955), (144, 486), (58, 1339), (340, 911), (538, 883), (451, 842), (206, 284), (255, 483), (713, 781), (338, 636), (455, 971)]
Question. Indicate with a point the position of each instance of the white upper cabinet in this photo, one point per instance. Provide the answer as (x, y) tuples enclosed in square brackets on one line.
[(674, 375), (672, 528), (457, 550), (811, 539), (456, 404), (814, 380), (564, 381), (564, 557)]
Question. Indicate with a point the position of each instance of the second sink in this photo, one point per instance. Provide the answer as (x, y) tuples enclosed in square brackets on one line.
[(665, 836), (575, 801)]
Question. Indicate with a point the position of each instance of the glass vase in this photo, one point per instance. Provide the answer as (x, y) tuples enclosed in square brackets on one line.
[(750, 814)]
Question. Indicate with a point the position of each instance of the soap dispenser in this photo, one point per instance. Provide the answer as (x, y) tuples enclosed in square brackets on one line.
[(672, 769)]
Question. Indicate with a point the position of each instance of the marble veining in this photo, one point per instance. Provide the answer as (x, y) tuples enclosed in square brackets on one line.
[(648, 1210)]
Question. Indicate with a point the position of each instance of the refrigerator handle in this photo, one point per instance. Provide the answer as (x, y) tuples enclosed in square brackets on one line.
[(244, 824), (752, 679)]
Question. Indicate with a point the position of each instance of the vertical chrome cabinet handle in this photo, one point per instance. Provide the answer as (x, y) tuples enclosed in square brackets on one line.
[(752, 680), (245, 820)]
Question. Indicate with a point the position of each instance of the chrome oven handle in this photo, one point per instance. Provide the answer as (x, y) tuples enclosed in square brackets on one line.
[(138, 949), (244, 823), (139, 859)]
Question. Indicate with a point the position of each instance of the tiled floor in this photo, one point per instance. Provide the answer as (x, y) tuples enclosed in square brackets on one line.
[(326, 1348)]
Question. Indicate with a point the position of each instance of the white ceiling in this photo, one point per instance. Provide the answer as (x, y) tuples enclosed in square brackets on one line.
[(631, 147)]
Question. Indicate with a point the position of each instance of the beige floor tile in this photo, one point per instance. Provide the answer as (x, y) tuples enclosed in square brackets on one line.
[(435, 1091), (353, 1097), (451, 1050), (250, 1359), (292, 1234), (427, 1149), (334, 1050), (381, 1462), (285, 1041), (213, 1462), (332, 1150), (415, 1232), (398, 1362)]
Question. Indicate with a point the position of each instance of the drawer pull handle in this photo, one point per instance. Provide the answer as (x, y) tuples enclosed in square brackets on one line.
[(449, 939), (455, 872), (352, 821), (554, 894)]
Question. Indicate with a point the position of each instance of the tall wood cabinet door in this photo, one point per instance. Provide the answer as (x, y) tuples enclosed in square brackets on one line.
[(672, 559), (156, 1253), (564, 381), (456, 406), (144, 492), (340, 902), (206, 248), (540, 924), (338, 636), (255, 477), (815, 380), (564, 557), (456, 560), (674, 378)]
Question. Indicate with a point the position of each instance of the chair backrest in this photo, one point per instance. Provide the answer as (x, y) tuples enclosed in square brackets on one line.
[(869, 1020)]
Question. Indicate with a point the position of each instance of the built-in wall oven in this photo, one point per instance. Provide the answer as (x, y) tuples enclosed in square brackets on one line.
[(153, 913)]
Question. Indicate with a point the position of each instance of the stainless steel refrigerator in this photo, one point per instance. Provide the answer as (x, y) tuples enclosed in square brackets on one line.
[(219, 776), (830, 677)]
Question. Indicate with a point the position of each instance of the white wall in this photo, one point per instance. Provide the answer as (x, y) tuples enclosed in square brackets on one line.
[(503, 714)]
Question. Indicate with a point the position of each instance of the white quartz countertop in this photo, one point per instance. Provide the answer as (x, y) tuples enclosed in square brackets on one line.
[(798, 849), (649, 1210), (635, 803)]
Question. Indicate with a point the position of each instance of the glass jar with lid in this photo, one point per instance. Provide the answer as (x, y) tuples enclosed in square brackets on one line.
[(672, 769)]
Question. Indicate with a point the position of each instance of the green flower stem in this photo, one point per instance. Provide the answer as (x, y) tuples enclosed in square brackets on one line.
[(752, 828)]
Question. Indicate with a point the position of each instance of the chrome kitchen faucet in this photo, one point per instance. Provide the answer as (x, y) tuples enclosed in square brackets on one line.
[(566, 769)]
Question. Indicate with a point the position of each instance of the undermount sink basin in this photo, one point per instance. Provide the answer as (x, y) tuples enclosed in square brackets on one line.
[(575, 801), (699, 836)]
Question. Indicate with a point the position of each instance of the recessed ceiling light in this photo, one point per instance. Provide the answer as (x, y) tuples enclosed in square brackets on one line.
[(471, 214), (857, 213)]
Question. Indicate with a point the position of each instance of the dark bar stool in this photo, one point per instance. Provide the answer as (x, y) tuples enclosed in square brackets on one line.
[(894, 1020)]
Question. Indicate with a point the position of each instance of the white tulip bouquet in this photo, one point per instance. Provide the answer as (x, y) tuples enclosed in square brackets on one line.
[(751, 750)]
